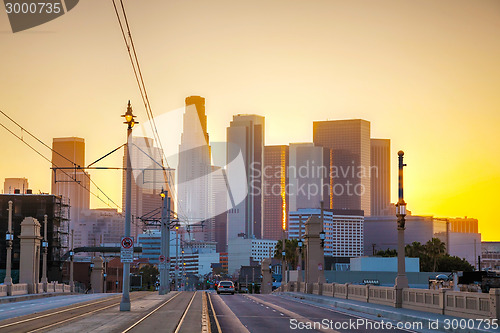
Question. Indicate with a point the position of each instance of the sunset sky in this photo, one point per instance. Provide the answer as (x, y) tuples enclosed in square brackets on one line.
[(426, 74)]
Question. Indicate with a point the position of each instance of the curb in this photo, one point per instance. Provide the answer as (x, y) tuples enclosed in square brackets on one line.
[(20, 298)]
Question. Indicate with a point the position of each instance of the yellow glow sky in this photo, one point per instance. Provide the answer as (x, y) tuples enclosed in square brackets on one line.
[(425, 73)]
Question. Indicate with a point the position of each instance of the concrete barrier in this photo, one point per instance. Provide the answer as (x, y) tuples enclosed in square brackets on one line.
[(467, 305), (328, 289), (424, 300), (317, 289)]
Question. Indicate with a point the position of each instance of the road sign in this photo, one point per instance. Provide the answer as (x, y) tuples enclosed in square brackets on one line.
[(176, 267), (320, 267), (162, 266), (162, 258), (127, 250)]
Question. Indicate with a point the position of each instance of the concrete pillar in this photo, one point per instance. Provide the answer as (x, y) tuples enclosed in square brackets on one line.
[(315, 258), (267, 278), (495, 303), (29, 265), (97, 277)]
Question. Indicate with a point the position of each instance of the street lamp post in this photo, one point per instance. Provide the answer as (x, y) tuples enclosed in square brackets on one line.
[(9, 237), (130, 121), (71, 255), (176, 257), (45, 246), (401, 279)]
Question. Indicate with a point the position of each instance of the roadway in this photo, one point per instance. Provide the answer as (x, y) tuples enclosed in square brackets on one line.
[(269, 313)]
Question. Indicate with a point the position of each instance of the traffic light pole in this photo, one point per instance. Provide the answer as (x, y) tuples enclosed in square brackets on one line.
[(165, 245)]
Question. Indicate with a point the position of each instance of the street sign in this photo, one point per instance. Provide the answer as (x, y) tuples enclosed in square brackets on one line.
[(320, 267), (162, 258), (162, 266), (127, 250), (176, 267)]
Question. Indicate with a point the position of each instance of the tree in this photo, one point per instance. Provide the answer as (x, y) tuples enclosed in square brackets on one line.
[(417, 250), (149, 275), (387, 253), (291, 250), (447, 263), (435, 248)]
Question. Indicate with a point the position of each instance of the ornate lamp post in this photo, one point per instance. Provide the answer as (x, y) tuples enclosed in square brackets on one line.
[(9, 237), (401, 279), (130, 121), (45, 246)]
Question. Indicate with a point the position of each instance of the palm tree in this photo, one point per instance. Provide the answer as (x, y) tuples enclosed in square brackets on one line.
[(435, 248), (291, 246)]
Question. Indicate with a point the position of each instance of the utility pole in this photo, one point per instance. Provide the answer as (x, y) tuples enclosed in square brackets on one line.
[(176, 257), (165, 244), (45, 249), (401, 279), (129, 120)]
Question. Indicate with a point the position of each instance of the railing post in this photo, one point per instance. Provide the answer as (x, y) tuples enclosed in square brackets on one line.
[(442, 300), (367, 293)]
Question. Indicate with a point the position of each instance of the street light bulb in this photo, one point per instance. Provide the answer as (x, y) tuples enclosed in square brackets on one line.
[(128, 117), (162, 194)]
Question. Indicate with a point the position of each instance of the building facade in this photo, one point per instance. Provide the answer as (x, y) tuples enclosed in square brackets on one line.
[(245, 138), (349, 141), (380, 176), (194, 170), (71, 182), (308, 176), (15, 185), (245, 251), (343, 230), (274, 192), (98, 226)]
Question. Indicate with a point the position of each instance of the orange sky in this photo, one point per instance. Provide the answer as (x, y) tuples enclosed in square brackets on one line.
[(425, 73)]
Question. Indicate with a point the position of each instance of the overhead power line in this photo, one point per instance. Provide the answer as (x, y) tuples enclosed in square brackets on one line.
[(50, 161)]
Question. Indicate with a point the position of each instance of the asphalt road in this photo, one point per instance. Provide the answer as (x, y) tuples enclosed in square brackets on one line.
[(269, 313)]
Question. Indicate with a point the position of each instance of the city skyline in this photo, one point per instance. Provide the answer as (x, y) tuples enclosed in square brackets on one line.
[(433, 97)]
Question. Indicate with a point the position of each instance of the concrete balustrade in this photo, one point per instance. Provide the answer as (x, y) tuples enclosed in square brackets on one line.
[(358, 292), (442, 301), (19, 289), (382, 295), (3, 290)]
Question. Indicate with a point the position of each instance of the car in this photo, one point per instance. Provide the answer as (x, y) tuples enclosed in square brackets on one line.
[(225, 287)]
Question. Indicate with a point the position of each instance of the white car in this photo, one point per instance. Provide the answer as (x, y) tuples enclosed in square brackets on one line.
[(225, 287)]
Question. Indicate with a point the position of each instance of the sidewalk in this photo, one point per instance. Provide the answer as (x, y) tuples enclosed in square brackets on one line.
[(20, 298), (444, 323)]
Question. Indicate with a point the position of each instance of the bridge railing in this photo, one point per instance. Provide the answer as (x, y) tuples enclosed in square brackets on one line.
[(442, 301)]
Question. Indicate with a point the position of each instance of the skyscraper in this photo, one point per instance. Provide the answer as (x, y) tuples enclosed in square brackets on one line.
[(147, 180), (245, 136), (349, 141), (308, 176), (194, 171), (72, 183), (380, 176), (219, 207), (275, 196)]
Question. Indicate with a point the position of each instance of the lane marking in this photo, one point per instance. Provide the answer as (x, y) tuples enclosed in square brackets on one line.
[(340, 312), (292, 314), (184, 314), (149, 314), (214, 314), (241, 328)]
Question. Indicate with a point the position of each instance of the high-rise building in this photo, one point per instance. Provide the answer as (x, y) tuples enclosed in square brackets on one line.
[(219, 207), (245, 136), (194, 171), (349, 141), (148, 179), (380, 176), (71, 182), (343, 230), (274, 192), (308, 176), (10, 185), (98, 226)]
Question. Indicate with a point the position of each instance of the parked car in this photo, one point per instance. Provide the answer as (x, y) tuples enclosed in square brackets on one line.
[(225, 287)]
